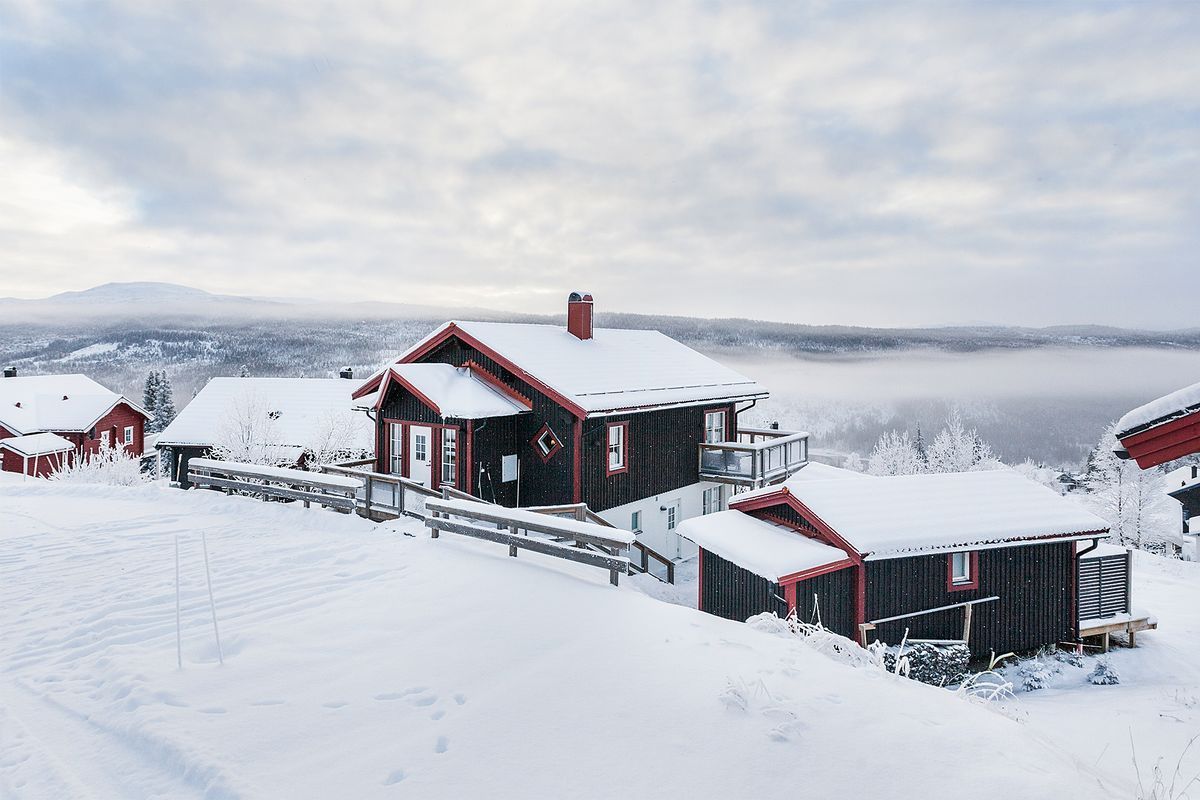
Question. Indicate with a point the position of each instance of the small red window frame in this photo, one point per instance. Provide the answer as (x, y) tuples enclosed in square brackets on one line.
[(545, 457), (951, 586), (608, 470)]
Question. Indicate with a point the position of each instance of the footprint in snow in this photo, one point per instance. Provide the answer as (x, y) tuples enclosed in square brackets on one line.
[(391, 696), (395, 776), (437, 714), (335, 704), (424, 700), (213, 710), (443, 744), (460, 698)]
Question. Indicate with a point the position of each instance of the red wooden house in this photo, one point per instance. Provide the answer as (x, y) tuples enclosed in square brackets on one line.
[(78, 411)]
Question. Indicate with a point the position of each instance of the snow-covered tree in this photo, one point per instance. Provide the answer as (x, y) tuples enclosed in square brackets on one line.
[(248, 433), (1132, 500), (957, 449), (164, 406), (854, 462), (111, 465), (332, 440), (150, 401), (894, 454), (244, 372)]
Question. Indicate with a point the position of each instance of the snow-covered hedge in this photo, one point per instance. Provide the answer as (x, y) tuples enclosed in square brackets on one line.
[(111, 466)]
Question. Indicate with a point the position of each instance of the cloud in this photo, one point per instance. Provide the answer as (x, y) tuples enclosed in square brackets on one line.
[(876, 164)]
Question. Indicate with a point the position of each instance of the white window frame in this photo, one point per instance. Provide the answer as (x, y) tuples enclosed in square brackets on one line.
[(420, 447), (712, 500), (128, 434), (672, 515), (960, 571), (714, 427), (396, 448), (105, 439), (635, 522), (618, 447), (449, 456)]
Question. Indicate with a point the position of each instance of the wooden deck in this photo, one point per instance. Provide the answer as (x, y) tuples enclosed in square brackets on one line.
[(1128, 624)]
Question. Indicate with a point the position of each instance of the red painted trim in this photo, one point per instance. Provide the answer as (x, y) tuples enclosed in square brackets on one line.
[(577, 462), (453, 330), (545, 457), (789, 595), (814, 572), (470, 463), (860, 598), (498, 385), (951, 586), (624, 446), (425, 401), (704, 423), (1165, 442)]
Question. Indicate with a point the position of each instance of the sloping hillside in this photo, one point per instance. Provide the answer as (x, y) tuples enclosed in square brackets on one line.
[(361, 661)]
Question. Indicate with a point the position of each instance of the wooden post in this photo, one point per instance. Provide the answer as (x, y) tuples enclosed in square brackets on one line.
[(367, 496), (512, 548), (614, 577), (967, 622), (433, 531)]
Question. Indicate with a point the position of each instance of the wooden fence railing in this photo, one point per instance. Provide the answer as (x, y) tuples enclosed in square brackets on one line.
[(462, 516), (646, 556), (278, 483), (384, 495)]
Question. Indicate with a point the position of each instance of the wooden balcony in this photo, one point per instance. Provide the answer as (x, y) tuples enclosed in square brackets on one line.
[(762, 456)]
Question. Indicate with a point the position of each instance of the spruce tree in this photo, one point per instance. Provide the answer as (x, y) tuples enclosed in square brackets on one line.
[(165, 402), (150, 402), (244, 372)]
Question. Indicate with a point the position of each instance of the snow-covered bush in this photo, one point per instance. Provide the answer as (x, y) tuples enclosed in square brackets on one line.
[(1036, 673), (1069, 657), (989, 687), (1105, 674), (112, 466), (935, 664)]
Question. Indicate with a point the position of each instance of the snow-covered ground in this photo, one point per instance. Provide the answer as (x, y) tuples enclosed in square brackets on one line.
[(364, 662)]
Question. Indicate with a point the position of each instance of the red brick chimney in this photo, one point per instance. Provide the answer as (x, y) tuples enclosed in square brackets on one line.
[(579, 315)]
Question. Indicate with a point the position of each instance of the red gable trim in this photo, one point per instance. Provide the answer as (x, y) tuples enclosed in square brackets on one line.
[(497, 384), (1165, 442), (804, 575), (453, 330), (392, 376)]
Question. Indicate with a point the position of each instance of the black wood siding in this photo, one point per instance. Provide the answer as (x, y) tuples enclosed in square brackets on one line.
[(727, 590), (833, 593), (663, 454), (542, 483), (1033, 583)]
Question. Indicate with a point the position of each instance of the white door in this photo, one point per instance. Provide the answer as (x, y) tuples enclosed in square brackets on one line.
[(420, 454)]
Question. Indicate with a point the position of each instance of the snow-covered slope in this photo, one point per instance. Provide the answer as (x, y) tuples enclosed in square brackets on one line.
[(364, 662)]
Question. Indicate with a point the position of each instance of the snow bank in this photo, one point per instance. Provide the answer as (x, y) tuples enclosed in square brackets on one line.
[(368, 660)]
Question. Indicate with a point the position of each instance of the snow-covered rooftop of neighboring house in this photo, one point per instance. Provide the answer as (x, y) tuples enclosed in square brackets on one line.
[(614, 370), (899, 515), (36, 444), (812, 471), (457, 391), (301, 410), (1176, 404), (1182, 478), (35, 403), (762, 547)]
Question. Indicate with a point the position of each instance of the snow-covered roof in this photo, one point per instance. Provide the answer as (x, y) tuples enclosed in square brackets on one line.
[(812, 471), (899, 515), (1176, 404), (614, 370), (34, 403), (301, 410), (457, 391), (762, 547), (36, 444)]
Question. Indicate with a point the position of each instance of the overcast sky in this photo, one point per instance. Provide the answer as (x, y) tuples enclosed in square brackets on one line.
[(1034, 163)]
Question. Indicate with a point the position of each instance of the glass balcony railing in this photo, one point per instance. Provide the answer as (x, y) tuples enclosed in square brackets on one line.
[(771, 456)]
